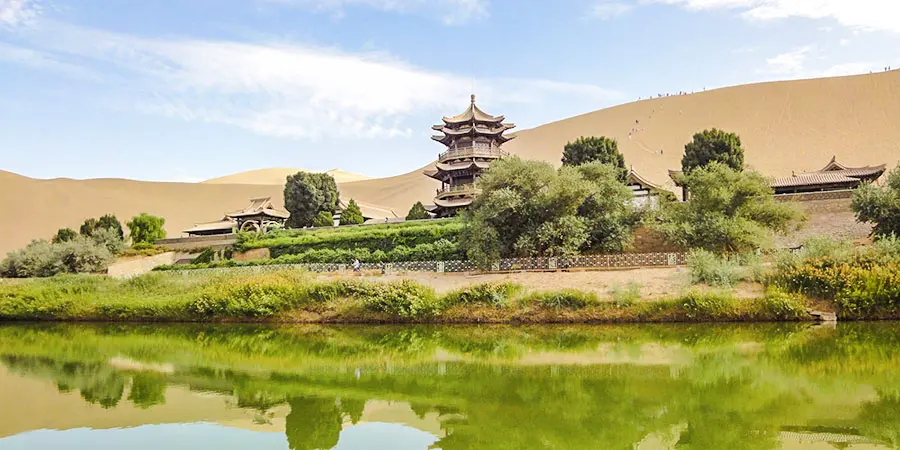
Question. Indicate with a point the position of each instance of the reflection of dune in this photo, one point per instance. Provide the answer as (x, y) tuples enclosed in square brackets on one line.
[(785, 126)]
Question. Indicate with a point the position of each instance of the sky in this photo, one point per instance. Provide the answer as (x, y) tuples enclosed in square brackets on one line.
[(186, 90)]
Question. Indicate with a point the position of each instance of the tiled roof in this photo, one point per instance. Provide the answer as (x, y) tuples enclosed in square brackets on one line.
[(212, 226), (813, 179)]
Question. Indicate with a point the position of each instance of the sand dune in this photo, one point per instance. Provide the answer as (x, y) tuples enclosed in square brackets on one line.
[(785, 126), (278, 175)]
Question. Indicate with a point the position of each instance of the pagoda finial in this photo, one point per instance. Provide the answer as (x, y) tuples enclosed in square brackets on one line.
[(473, 99)]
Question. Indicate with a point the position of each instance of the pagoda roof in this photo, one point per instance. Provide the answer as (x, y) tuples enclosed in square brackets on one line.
[(222, 225), (813, 180), (854, 172), (453, 203), (636, 178), (473, 113), (259, 206)]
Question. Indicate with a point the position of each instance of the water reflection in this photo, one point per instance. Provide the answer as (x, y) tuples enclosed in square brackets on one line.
[(686, 387)]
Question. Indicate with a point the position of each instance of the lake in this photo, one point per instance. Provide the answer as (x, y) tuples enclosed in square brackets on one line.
[(726, 386)]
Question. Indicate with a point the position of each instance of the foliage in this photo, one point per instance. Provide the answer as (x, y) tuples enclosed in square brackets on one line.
[(207, 256), (43, 259), (723, 270), (880, 205), (308, 194), (782, 305), (417, 212), (406, 299), (109, 238), (351, 215), (565, 298), (442, 250), (372, 237), (713, 146), (608, 212), (626, 295), (727, 211), (146, 229), (324, 219), (595, 149), (110, 222), (88, 227), (64, 235), (529, 209), (490, 294), (707, 305)]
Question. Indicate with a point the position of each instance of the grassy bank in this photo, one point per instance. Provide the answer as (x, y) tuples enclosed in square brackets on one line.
[(291, 296)]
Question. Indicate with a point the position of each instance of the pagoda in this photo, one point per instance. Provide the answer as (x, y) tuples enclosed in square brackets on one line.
[(473, 141)]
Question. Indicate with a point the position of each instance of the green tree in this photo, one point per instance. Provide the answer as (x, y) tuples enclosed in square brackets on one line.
[(728, 211), (307, 194), (880, 205), (146, 229), (608, 211), (529, 209), (64, 235), (590, 149), (713, 145), (110, 222), (351, 215), (417, 212), (88, 227), (147, 389), (313, 423), (324, 219)]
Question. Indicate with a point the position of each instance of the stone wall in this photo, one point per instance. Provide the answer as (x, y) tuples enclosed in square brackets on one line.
[(249, 255), (134, 267)]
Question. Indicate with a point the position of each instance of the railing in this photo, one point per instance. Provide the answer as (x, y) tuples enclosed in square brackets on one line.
[(457, 190), (477, 150)]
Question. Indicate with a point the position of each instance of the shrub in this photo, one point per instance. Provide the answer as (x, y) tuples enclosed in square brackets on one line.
[(351, 215), (406, 299), (491, 294), (589, 149), (880, 205), (109, 238), (417, 212), (777, 304), (43, 259), (64, 235), (726, 271), (626, 295), (307, 194), (707, 305), (713, 146), (566, 298), (324, 219)]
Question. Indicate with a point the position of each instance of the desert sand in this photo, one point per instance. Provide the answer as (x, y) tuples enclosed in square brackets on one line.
[(785, 126), (278, 175)]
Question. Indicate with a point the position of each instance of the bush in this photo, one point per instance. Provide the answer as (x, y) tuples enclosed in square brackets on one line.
[(626, 295), (880, 205), (707, 305), (726, 271), (324, 219), (417, 212), (109, 238), (491, 294), (64, 235), (405, 299), (43, 259), (777, 304), (351, 215), (566, 298)]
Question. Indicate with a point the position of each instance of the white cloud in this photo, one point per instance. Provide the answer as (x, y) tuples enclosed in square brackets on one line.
[(844, 42), (789, 63), (609, 9), (879, 15), (853, 68), (282, 88), (16, 12), (451, 12)]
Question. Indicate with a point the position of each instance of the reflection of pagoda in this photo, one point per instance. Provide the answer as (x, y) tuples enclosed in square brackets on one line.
[(473, 140)]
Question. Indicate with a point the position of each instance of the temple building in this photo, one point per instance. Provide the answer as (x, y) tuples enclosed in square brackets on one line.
[(260, 215), (473, 140), (644, 193), (833, 177)]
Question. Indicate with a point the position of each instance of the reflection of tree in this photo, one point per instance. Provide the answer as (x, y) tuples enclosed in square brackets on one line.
[(105, 391), (353, 408), (313, 423), (147, 390)]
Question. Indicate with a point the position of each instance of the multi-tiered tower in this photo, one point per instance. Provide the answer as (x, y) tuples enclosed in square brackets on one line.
[(473, 141)]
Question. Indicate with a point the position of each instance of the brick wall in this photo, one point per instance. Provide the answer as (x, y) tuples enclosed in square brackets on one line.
[(828, 215)]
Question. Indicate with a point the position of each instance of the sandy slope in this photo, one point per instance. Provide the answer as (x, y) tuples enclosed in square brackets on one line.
[(278, 175), (785, 126)]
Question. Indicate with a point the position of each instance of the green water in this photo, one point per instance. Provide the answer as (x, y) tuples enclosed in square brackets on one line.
[(727, 386)]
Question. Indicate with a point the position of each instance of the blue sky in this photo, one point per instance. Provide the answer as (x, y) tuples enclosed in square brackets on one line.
[(184, 90)]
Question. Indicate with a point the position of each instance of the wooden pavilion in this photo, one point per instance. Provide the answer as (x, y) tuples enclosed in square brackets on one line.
[(259, 216)]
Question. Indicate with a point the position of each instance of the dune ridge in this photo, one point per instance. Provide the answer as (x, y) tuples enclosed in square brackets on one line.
[(788, 126), (278, 175)]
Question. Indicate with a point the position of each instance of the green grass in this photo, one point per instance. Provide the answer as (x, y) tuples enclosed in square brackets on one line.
[(296, 296)]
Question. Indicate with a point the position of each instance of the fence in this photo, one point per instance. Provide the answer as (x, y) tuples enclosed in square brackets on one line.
[(614, 261)]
